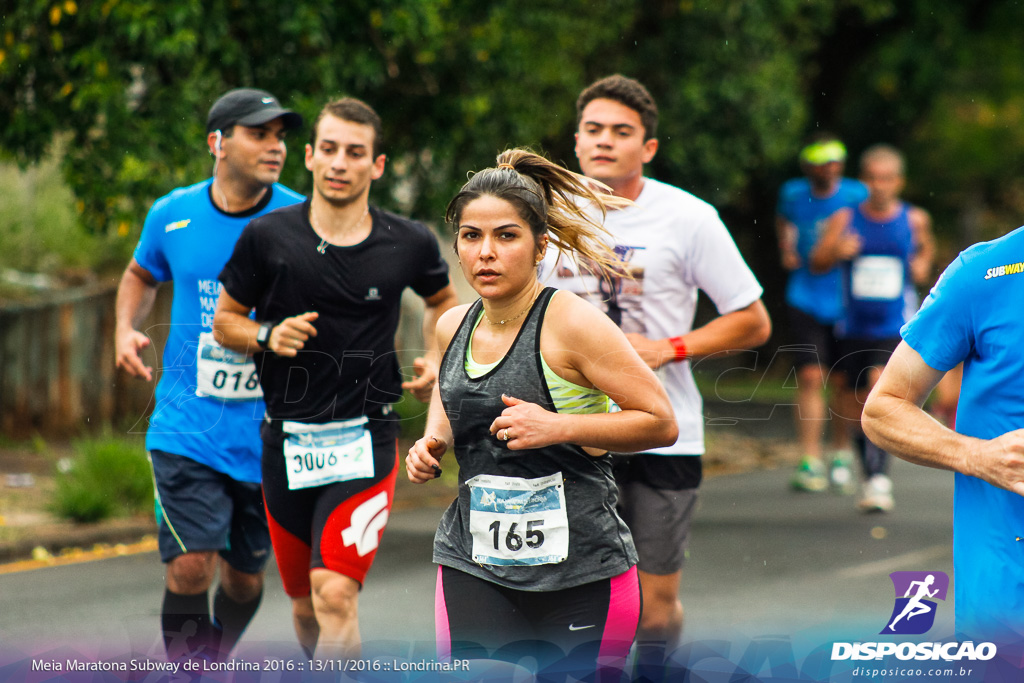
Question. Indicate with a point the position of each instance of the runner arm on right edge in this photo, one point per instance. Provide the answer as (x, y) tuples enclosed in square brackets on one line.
[(895, 421)]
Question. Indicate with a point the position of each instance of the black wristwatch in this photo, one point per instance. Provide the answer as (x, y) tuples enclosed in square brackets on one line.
[(263, 334)]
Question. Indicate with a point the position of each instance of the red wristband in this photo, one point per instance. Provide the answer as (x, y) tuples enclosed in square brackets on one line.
[(680, 348)]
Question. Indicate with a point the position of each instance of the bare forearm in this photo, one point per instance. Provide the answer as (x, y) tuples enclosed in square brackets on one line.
[(902, 428), (743, 329), (236, 331), (907, 431), (835, 245), (135, 298), (628, 431), (437, 420), (822, 259)]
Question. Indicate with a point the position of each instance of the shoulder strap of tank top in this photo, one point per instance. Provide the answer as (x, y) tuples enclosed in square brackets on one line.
[(540, 308)]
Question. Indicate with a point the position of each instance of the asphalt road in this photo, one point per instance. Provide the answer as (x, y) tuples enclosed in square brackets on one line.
[(764, 563)]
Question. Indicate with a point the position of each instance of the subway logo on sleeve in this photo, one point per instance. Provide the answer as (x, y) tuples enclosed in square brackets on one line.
[(1010, 269)]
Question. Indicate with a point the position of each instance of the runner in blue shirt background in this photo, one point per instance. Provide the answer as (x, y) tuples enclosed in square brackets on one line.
[(813, 306), (972, 315), (203, 435)]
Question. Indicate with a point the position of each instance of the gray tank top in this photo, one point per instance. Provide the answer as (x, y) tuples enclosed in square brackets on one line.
[(536, 520)]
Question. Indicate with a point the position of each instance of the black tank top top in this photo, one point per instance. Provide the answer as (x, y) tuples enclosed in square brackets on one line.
[(502, 529)]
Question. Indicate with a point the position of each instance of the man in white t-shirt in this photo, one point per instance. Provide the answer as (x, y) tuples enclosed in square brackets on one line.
[(673, 245)]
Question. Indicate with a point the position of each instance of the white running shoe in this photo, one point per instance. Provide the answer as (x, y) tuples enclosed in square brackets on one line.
[(876, 496)]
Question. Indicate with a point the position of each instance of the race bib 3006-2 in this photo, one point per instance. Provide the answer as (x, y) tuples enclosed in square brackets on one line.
[(320, 454)]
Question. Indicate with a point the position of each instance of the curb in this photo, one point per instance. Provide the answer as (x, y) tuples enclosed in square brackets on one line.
[(57, 537)]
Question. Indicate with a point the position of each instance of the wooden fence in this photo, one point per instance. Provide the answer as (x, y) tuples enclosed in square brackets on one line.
[(57, 374)]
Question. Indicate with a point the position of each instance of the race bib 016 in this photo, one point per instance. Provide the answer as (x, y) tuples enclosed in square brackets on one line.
[(225, 374), (321, 454), (517, 521)]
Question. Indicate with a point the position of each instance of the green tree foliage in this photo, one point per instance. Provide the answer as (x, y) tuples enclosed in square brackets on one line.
[(456, 82), (132, 80), (739, 83)]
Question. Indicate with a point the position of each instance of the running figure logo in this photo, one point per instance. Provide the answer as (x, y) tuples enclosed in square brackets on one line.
[(914, 612)]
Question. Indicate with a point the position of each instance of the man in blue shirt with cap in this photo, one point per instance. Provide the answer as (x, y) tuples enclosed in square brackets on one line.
[(203, 437)]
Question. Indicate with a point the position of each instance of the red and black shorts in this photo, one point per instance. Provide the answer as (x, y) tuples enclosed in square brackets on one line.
[(336, 526)]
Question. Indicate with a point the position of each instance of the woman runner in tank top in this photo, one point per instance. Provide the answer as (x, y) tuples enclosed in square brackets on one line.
[(534, 562)]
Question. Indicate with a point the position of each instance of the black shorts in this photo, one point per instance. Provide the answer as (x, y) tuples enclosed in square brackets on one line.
[(812, 342), (200, 509), (669, 472), (657, 499), (335, 526), (859, 355), (572, 629)]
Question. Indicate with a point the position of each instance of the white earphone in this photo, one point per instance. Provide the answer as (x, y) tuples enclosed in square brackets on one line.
[(216, 144)]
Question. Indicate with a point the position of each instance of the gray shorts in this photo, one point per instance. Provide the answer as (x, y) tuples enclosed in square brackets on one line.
[(200, 509), (659, 518)]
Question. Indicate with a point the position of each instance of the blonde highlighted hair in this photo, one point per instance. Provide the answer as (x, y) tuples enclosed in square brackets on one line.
[(552, 200)]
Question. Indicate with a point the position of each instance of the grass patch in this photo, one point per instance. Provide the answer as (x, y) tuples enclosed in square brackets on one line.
[(107, 477)]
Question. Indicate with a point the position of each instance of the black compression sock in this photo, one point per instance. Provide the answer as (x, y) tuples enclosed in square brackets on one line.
[(860, 443), (185, 620), (232, 618), (650, 661)]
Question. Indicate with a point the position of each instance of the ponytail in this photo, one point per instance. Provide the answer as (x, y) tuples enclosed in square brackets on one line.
[(552, 200)]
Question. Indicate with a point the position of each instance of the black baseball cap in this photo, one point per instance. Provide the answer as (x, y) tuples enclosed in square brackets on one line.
[(248, 107)]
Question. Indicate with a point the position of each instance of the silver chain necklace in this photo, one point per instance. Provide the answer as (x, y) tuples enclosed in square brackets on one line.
[(322, 249)]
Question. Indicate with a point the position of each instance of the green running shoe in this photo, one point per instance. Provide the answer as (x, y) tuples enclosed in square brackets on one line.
[(809, 476)]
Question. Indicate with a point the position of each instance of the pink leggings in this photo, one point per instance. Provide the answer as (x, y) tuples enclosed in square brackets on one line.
[(584, 627)]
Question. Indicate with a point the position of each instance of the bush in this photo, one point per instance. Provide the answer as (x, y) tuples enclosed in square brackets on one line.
[(81, 503), (41, 230), (107, 477)]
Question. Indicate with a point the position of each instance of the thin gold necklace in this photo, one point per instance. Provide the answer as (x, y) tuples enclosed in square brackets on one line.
[(517, 316), (316, 226)]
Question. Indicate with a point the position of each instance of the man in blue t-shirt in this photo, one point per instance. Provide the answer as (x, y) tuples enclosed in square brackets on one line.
[(972, 315), (203, 436), (814, 304)]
